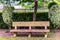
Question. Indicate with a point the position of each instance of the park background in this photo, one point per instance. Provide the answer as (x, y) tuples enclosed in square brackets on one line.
[(26, 11)]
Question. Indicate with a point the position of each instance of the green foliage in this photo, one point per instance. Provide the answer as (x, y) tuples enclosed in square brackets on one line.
[(51, 4), (28, 4), (12, 8), (29, 17), (54, 15), (40, 3), (7, 15), (24, 17), (26, 1)]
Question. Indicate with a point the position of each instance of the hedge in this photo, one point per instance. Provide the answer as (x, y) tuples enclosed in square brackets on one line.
[(25, 17)]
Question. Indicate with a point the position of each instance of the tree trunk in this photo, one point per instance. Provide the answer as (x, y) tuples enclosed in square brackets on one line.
[(35, 10)]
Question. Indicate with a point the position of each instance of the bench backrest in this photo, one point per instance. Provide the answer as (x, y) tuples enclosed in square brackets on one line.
[(32, 23)]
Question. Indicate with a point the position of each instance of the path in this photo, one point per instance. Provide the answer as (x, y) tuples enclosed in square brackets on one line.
[(55, 34), (3, 33)]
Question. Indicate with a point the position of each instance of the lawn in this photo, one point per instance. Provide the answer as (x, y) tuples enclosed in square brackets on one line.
[(25, 38), (27, 10)]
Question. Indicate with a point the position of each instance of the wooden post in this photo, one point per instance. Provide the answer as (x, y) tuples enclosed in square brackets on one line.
[(29, 35), (45, 27), (15, 27), (45, 33), (29, 27), (30, 30), (15, 33)]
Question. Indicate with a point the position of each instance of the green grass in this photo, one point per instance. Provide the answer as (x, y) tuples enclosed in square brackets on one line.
[(1, 38), (26, 38), (27, 11)]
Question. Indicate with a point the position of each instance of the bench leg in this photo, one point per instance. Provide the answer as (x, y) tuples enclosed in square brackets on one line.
[(14, 35), (29, 35), (46, 35)]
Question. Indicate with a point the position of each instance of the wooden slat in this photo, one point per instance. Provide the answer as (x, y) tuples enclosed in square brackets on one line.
[(33, 30), (19, 30), (32, 23), (41, 30)]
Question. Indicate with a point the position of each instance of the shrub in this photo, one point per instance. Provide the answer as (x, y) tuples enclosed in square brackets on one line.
[(7, 15), (54, 15)]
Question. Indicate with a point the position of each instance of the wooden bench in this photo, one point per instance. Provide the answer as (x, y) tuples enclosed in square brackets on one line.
[(30, 25)]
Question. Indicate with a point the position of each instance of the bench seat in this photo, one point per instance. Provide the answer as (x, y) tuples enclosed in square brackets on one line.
[(32, 30), (19, 30), (41, 30)]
